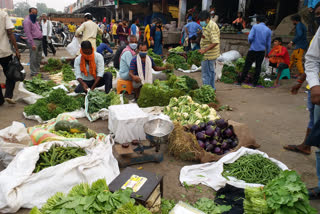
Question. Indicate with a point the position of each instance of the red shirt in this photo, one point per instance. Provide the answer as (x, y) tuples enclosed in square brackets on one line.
[(284, 54)]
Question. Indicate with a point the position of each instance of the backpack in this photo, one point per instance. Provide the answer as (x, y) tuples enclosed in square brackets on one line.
[(116, 59)]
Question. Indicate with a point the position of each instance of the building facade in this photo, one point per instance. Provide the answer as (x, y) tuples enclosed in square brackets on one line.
[(6, 4)]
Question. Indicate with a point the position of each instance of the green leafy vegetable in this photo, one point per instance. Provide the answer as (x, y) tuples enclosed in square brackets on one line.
[(194, 58), (156, 58), (99, 100), (96, 198), (178, 61), (208, 206), (255, 202), (252, 169), (229, 74), (39, 86), (53, 66), (288, 194), (56, 103), (178, 49), (204, 95), (67, 73), (167, 205), (112, 70)]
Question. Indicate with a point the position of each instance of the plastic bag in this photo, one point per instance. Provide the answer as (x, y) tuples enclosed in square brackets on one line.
[(74, 47), (229, 56), (15, 70), (265, 65)]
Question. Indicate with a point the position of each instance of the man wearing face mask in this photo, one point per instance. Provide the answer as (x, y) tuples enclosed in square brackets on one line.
[(210, 47), (89, 70), (126, 56), (34, 35), (141, 69), (300, 42)]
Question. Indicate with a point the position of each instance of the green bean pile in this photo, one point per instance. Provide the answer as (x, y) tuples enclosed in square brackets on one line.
[(57, 155), (68, 134), (252, 169)]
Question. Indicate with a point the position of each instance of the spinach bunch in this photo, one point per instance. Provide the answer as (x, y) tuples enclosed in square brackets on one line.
[(178, 61), (67, 73), (204, 95), (194, 58), (39, 86), (99, 100), (53, 65), (156, 58)]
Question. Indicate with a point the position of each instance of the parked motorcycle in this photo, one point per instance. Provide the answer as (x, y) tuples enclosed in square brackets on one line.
[(59, 41), (21, 40)]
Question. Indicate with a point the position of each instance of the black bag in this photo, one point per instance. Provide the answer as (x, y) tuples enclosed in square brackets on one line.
[(314, 137), (15, 70)]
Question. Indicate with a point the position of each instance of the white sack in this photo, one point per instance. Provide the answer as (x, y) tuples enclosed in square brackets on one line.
[(229, 56), (210, 174), (76, 114), (218, 70), (20, 187), (193, 69), (12, 140), (27, 96), (126, 122)]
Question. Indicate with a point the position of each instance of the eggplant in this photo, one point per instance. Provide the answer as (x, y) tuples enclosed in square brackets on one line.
[(224, 145), (234, 144), (217, 150), (210, 132), (226, 151), (221, 123), (218, 131), (228, 133), (209, 148), (201, 144), (202, 126), (194, 128), (211, 123), (201, 136), (214, 142)]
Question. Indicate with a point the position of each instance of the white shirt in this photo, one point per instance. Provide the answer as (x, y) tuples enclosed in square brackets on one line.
[(98, 58), (5, 24), (312, 64), (44, 27)]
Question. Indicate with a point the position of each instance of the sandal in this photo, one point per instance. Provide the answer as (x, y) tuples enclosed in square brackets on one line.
[(295, 148), (314, 193)]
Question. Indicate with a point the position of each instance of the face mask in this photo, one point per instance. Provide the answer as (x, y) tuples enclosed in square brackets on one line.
[(203, 23), (143, 54), (153, 25), (133, 46), (33, 18), (318, 20)]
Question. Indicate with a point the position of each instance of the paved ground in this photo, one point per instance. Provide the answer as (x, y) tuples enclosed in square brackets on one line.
[(274, 116)]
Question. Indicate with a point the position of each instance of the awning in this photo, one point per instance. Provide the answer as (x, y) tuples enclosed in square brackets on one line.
[(131, 1)]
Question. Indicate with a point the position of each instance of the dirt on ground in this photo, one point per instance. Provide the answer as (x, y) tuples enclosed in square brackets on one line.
[(274, 116)]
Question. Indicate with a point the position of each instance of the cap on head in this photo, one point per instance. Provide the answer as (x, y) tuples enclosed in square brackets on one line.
[(88, 16)]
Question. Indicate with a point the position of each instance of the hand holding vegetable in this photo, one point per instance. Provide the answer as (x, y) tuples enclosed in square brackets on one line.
[(202, 51)]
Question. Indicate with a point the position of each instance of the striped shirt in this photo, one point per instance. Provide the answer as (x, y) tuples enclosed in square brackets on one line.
[(211, 35), (134, 67)]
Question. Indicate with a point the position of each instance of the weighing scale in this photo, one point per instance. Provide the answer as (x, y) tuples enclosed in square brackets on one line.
[(157, 132)]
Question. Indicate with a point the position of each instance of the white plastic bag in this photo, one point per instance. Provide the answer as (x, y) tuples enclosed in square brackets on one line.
[(218, 70), (76, 114), (12, 140), (229, 56), (210, 174), (74, 47), (20, 187), (27, 96), (265, 65)]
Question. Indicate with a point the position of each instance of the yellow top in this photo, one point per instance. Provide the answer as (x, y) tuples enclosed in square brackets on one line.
[(211, 34), (147, 30), (114, 29), (72, 28)]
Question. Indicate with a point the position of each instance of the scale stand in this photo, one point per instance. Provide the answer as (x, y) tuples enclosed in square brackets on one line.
[(144, 152)]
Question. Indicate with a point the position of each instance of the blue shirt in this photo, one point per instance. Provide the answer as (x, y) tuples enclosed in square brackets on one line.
[(134, 67), (193, 28), (98, 58), (260, 38), (133, 29), (125, 61), (104, 47), (300, 39), (312, 3)]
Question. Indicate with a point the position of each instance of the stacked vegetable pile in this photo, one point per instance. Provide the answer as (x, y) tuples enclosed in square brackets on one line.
[(185, 111), (284, 194), (160, 92), (194, 58), (53, 65), (67, 73), (156, 58), (215, 136), (178, 49), (96, 198), (68, 129), (178, 61), (99, 100), (39, 86), (231, 72), (112, 70), (56, 103), (57, 155), (204, 95), (252, 169)]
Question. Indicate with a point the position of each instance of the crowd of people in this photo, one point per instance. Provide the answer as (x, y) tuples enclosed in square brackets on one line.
[(200, 33)]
